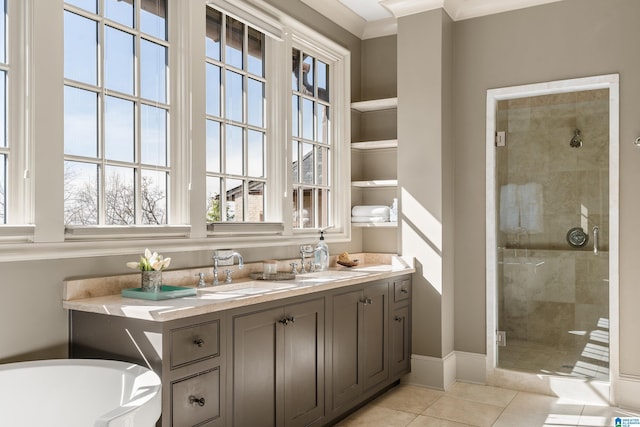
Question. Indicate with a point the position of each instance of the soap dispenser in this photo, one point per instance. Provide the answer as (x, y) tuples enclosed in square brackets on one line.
[(321, 254)]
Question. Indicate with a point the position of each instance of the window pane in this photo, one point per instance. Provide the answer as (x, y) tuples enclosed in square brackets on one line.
[(119, 196), (255, 61), (234, 96), (119, 129), (213, 146), (296, 209), (214, 33), (295, 69), (213, 199), (235, 197), (80, 122), (307, 75), (255, 103), (255, 154), (3, 187), (295, 114), (153, 18), (322, 164), (119, 11), (80, 48), (153, 135), (323, 81), (153, 71), (80, 193), (3, 31), (307, 163), (233, 47), (3, 109), (213, 90), (323, 124), (255, 213), (89, 5), (295, 162), (308, 208), (307, 119), (234, 150), (119, 57), (154, 197)]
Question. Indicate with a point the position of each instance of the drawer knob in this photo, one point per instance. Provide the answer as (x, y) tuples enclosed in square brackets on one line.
[(404, 291), (287, 320), (398, 319), (197, 401), (366, 301), (199, 342)]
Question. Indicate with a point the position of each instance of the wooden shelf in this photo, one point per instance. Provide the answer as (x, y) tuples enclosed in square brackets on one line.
[(375, 105), (375, 224), (373, 145), (375, 183)]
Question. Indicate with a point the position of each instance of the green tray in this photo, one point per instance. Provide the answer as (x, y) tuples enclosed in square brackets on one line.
[(166, 292)]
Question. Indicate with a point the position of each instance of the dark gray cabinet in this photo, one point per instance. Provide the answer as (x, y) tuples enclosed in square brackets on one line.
[(360, 349), (187, 354), (400, 329), (277, 365)]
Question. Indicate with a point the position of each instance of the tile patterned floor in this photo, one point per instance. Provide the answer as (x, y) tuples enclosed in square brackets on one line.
[(476, 405)]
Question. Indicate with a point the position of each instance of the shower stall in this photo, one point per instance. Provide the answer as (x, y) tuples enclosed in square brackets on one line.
[(552, 208)]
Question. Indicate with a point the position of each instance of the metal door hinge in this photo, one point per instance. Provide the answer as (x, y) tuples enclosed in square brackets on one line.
[(501, 139), (501, 338)]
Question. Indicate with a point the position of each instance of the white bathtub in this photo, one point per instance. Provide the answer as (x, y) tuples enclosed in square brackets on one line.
[(78, 393)]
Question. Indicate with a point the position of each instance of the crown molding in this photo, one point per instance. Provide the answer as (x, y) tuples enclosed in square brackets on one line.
[(458, 10)]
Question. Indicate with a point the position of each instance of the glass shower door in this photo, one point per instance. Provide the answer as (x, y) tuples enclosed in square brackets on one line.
[(552, 187)]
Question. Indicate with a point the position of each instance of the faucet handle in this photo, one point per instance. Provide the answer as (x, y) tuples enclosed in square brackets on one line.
[(293, 267), (201, 283), (228, 277)]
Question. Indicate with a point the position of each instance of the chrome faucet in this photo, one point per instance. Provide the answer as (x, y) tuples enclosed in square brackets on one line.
[(217, 258), (305, 250)]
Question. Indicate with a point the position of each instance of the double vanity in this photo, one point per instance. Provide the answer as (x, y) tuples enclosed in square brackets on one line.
[(298, 352)]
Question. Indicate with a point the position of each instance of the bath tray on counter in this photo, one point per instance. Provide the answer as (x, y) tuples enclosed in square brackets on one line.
[(166, 292)]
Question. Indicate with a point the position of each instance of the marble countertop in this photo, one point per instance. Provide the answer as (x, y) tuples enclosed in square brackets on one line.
[(102, 295)]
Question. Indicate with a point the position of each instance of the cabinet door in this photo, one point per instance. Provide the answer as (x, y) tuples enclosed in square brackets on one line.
[(304, 363), (346, 333), (255, 368), (400, 347), (375, 334)]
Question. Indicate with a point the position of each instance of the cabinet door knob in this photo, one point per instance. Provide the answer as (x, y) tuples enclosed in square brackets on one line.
[(284, 321), (366, 301), (404, 291), (199, 342), (197, 401), (398, 319)]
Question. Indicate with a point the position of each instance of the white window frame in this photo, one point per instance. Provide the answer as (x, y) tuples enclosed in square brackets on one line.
[(37, 230)]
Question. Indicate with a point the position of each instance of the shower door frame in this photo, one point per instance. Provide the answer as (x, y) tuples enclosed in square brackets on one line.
[(611, 82)]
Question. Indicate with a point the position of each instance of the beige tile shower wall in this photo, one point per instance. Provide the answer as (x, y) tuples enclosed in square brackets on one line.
[(574, 180), (555, 298)]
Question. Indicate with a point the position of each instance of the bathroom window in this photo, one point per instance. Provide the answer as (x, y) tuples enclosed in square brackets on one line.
[(236, 130), (311, 145), (117, 166)]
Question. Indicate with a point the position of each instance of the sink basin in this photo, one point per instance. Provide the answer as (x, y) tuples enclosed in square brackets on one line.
[(327, 276), (243, 289)]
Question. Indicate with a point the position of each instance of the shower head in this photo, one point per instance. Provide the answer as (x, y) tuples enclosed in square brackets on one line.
[(576, 141)]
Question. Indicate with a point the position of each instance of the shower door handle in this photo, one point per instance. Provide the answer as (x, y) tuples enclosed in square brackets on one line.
[(596, 235)]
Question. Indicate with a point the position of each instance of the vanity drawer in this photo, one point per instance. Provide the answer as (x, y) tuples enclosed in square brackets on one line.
[(193, 343), (196, 400), (401, 290)]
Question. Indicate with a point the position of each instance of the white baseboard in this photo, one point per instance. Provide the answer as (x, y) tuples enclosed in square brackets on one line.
[(626, 393), (442, 373)]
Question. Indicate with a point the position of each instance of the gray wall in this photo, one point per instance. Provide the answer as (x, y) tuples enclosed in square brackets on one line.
[(572, 38)]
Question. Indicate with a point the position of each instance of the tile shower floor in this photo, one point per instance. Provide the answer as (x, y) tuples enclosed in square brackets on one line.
[(477, 405), (590, 361)]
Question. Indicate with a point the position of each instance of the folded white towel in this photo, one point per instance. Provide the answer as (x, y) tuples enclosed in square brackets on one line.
[(369, 219), (371, 210), (509, 208)]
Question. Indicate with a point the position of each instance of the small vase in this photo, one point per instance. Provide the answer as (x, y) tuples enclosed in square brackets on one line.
[(151, 280)]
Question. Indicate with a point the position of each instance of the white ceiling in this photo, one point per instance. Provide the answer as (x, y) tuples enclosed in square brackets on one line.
[(375, 18)]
